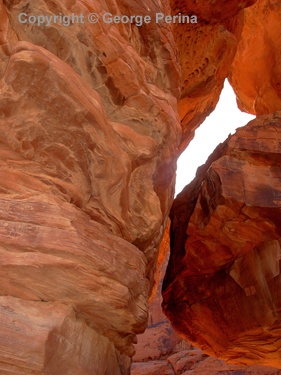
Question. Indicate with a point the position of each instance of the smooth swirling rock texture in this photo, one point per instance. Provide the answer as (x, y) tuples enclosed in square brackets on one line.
[(222, 287), (88, 142), (92, 119), (136, 101)]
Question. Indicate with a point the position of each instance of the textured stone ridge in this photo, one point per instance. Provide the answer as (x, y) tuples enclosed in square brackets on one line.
[(222, 288)]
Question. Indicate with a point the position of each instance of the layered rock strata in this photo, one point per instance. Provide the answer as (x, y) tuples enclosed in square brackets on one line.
[(88, 142), (222, 287), (89, 136)]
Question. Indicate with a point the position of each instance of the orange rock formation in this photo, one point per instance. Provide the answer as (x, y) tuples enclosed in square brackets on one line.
[(92, 120), (88, 132), (222, 287), (206, 51), (259, 56)]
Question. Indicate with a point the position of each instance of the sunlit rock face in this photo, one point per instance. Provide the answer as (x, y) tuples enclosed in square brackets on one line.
[(256, 73), (222, 287)]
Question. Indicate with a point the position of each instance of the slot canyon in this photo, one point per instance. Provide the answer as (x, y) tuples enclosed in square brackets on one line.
[(102, 270)]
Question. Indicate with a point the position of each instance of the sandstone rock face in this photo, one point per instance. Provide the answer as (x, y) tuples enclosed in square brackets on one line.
[(52, 340), (206, 51), (222, 287), (261, 28), (89, 136), (135, 107), (88, 142), (161, 351)]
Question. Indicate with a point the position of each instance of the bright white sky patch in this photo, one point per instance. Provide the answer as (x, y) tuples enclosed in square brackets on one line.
[(225, 119)]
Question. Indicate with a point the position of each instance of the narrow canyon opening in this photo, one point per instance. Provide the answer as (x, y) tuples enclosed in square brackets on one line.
[(160, 350), (224, 120)]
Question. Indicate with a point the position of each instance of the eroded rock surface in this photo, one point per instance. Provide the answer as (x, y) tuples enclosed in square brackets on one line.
[(159, 339), (222, 288), (89, 136), (88, 142), (53, 340), (134, 105), (206, 51), (261, 29), (161, 351), (195, 362)]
